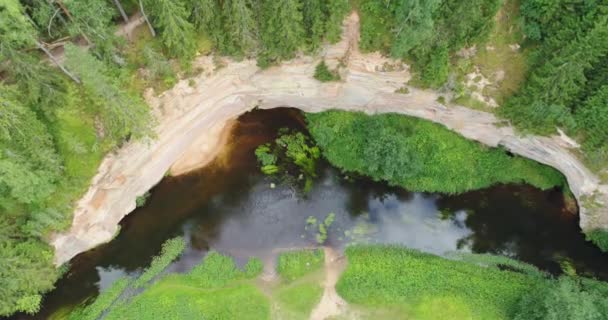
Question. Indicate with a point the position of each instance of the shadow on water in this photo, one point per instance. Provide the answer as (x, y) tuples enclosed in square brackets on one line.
[(229, 206)]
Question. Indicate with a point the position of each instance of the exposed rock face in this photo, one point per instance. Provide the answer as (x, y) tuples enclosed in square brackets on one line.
[(187, 113)]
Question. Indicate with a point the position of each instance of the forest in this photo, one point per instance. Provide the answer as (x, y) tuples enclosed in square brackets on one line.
[(71, 90)]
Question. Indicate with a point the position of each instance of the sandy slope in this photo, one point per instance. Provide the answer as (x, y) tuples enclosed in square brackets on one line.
[(189, 117)]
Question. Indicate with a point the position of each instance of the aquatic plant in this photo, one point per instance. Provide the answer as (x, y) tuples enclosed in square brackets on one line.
[(324, 226), (171, 249), (266, 159), (290, 148)]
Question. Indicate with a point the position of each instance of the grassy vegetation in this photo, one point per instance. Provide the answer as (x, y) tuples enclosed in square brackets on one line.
[(300, 289), (298, 300), (172, 248), (413, 285), (428, 286), (175, 297), (102, 302), (295, 264), (215, 289), (419, 155), (499, 54)]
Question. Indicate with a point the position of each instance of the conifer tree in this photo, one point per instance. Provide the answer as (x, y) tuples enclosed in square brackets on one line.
[(282, 30), (170, 17), (414, 26), (207, 17), (314, 14), (123, 114), (28, 161), (240, 27), (337, 11)]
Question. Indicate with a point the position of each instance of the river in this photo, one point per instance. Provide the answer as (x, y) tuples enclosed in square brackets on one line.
[(231, 207)]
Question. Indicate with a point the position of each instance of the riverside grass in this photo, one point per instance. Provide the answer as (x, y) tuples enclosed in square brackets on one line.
[(172, 248), (426, 286), (102, 302), (295, 264), (419, 155), (215, 289)]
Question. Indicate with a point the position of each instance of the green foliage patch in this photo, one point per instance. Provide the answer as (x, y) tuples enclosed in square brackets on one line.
[(171, 249), (419, 155), (295, 264), (566, 298), (323, 74), (299, 299), (288, 150), (599, 237), (103, 302), (214, 289), (387, 276)]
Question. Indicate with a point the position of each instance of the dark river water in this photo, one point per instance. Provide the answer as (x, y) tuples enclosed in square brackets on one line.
[(231, 207)]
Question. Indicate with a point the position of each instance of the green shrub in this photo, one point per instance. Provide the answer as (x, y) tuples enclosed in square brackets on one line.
[(419, 155), (566, 298), (435, 72), (216, 271), (599, 237), (171, 249), (323, 74), (140, 201), (295, 264)]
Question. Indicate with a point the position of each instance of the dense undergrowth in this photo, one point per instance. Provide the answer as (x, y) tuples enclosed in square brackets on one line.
[(426, 286), (419, 155)]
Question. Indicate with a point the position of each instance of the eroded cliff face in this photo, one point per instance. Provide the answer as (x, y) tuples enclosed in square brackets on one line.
[(192, 121)]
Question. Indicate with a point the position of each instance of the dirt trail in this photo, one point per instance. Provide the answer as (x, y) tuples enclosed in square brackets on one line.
[(331, 303), (192, 107)]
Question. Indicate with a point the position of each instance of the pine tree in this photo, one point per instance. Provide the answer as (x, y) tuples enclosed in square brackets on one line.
[(123, 114), (21, 65), (29, 164), (282, 31), (207, 17), (176, 32), (414, 25), (337, 11), (314, 14), (240, 28)]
